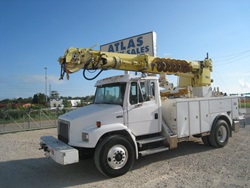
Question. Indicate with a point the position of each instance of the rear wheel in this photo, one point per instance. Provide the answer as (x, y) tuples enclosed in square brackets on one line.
[(219, 134), (114, 156)]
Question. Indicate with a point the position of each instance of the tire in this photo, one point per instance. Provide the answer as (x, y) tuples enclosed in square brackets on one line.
[(114, 156), (219, 134), (205, 140)]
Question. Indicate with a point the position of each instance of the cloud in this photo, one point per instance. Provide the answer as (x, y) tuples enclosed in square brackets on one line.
[(166, 55), (244, 84), (52, 79), (40, 79)]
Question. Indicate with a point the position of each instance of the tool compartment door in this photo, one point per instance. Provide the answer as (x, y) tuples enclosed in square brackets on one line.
[(194, 117), (205, 122), (182, 119)]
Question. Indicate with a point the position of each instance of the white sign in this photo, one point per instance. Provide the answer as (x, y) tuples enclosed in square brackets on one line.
[(139, 44)]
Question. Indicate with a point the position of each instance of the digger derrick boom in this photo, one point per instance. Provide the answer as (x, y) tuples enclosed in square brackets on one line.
[(75, 59)]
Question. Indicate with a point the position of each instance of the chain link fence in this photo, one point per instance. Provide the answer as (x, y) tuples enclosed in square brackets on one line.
[(29, 119)]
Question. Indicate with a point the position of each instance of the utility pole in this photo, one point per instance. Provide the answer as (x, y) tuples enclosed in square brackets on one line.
[(49, 89), (45, 84)]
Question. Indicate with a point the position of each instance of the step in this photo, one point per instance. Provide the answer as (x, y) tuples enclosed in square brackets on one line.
[(154, 150), (150, 140)]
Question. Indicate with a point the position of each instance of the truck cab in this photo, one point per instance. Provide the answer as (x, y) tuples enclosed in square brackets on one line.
[(125, 108), (122, 103)]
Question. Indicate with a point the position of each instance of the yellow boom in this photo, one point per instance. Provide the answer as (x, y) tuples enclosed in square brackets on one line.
[(193, 73)]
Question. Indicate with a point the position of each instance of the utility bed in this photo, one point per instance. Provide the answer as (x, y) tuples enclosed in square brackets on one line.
[(190, 116)]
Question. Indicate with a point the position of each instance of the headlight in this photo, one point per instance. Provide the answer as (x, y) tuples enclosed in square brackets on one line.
[(85, 137)]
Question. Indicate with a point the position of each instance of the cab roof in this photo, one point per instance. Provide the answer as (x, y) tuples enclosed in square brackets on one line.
[(121, 78)]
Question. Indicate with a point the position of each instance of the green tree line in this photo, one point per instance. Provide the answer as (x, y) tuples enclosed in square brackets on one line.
[(39, 100)]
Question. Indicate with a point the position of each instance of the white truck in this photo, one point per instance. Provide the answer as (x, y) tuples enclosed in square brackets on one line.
[(132, 117)]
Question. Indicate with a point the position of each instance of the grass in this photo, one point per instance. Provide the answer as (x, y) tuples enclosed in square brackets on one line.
[(24, 116), (244, 103)]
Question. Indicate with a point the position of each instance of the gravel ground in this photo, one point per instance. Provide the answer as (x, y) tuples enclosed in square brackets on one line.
[(192, 164)]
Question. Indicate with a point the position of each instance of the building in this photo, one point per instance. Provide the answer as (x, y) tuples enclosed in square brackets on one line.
[(56, 103), (75, 102)]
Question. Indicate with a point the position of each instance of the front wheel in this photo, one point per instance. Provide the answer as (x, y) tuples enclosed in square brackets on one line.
[(219, 134), (114, 156)]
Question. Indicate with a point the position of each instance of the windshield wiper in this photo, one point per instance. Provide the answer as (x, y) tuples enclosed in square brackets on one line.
[(104, 103), (108, 103)]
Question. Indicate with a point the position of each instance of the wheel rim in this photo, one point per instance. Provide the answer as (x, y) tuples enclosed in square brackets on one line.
[(117, 156), (222, 134)]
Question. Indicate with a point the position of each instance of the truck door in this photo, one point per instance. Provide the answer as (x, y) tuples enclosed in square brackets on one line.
[(143, 109)]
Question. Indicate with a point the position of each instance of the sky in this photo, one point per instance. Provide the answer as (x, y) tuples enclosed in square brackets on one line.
[(35, 33)]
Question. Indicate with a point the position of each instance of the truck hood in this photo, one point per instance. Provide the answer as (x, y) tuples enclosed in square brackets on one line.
[(88, 115)]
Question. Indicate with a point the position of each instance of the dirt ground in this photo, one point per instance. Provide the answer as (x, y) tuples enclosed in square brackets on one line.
[(192, 164)]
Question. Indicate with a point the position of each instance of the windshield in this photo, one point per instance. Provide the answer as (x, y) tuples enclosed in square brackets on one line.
[(110, 94)]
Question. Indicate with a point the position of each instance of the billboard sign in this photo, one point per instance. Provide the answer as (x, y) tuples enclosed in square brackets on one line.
[(139, 44)]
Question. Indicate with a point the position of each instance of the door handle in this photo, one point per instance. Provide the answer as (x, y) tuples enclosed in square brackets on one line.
[(156, 115)]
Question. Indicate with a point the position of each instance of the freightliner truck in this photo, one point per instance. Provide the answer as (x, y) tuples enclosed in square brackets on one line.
[(134, 116)]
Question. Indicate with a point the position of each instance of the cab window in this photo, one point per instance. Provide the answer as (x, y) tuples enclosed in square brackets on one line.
[(142, 91)]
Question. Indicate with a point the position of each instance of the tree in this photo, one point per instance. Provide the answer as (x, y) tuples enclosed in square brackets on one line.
[(66, 103), (39, 98), (6, 101), (88, 98), (54, 95)]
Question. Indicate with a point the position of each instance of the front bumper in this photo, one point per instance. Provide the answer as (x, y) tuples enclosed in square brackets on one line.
[(59, 151)]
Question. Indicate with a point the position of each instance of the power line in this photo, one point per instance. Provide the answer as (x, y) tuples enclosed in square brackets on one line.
[(232, 58), (220, 80), (232, 55)]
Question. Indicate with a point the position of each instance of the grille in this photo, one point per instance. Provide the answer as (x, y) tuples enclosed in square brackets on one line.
[(63, 132)]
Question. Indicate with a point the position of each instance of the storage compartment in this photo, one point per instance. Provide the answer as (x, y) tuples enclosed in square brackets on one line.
[(205, 122), (190, 116), (194, 117), (182, 119)]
